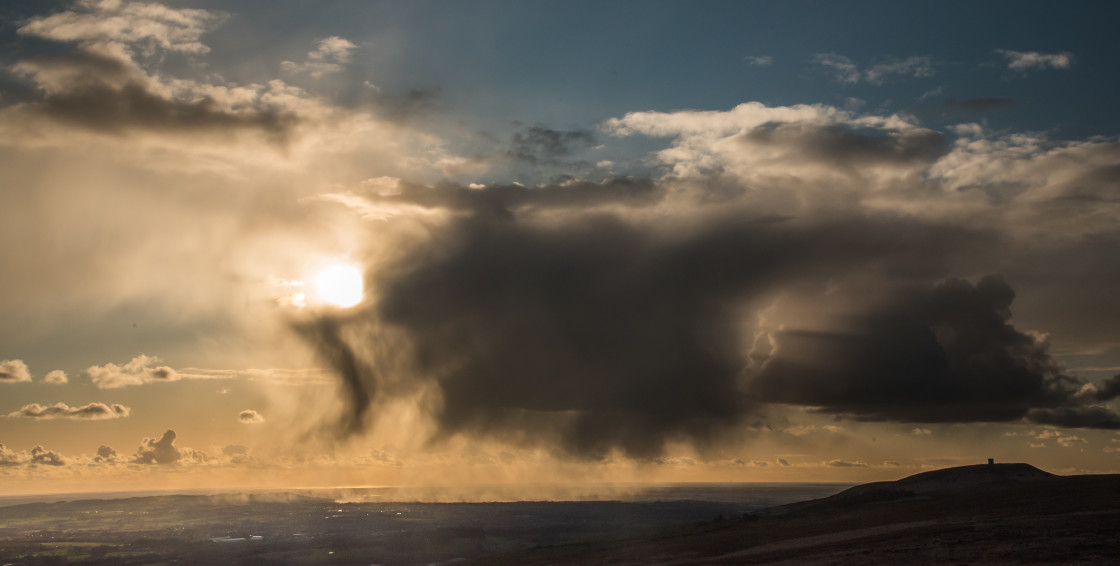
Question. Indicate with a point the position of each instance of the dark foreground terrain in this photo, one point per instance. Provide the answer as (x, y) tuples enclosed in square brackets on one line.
[(987, 514), (314, 528)]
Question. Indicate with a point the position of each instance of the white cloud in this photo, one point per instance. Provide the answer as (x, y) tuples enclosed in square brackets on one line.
[(115, 26), (1063, 439), (92, 411), (1044, 198), (279, 376), (759, 59), (56, 377), (329, 55), (761, 144), (147, 369), (802, 430), (140, 370), (846, 464), (14, 371), (800, 158), (1027, 60)]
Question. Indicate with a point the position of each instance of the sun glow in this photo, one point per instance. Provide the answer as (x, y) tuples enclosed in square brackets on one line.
[(339, 285)]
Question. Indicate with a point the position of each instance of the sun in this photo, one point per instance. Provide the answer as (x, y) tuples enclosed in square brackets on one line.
[(339, 285)]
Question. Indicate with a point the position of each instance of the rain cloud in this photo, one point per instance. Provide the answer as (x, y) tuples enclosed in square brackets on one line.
[(788, 259)]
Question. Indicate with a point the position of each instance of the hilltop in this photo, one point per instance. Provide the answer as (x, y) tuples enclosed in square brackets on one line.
[(955, 482), (985, 514)]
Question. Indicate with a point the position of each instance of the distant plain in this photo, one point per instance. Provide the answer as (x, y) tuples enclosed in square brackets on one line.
[(354, 525)]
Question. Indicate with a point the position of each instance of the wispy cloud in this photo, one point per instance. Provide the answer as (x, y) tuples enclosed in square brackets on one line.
[(144, 369), (843, 68), (759, 59), (847, 71), (1031, 60), (138, 371), (92, 411), (114, 26), (329, 56), (846, 464), (915, 67)]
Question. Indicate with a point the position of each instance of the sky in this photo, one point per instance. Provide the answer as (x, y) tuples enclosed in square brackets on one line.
[(282, 244)]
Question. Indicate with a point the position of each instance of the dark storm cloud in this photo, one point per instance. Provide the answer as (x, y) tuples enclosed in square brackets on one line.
[(848, 147), (503, 201), (1077, 417), (599, 332), (1110, 389), (948, 354), (536, 144), (359, 381), (1097, 185)]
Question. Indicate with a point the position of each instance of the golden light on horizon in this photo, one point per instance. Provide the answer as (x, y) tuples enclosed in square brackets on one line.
[(339, 285)]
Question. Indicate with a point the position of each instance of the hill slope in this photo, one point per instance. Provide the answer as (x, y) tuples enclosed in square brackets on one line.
[(987, 514)]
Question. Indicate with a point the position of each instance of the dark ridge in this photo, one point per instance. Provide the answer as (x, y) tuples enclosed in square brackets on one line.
[(936, 482), (992, 514)]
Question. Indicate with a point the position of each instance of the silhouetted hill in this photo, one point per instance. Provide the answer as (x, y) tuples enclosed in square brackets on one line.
[(944, 482), (987, 514)]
